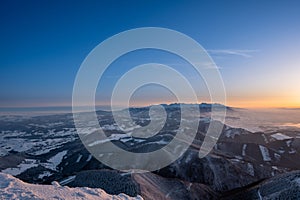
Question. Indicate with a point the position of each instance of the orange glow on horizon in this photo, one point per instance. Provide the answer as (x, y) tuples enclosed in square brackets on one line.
[(232, 102), (264, 103)]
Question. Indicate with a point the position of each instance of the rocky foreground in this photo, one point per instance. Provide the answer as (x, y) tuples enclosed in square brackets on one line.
[(148, 185), (13, 188)]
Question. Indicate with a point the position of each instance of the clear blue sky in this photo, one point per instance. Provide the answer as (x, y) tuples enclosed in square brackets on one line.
[(256, 44)]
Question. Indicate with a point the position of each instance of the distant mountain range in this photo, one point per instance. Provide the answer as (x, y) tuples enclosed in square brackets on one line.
[(51, 110)]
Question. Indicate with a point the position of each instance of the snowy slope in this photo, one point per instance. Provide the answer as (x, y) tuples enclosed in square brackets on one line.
[(13, 188)]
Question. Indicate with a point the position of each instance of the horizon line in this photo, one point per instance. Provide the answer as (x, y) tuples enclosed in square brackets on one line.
[(152, 104)]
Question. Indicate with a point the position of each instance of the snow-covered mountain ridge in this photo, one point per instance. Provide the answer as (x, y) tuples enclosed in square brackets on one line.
[(13, 188)]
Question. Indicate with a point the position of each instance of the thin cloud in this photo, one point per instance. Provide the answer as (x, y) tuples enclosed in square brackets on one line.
[(204, 65), (246, 53)]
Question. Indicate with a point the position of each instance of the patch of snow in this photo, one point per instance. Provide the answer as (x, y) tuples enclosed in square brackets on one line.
[(292, 151), (265, 153), (231, 133), (53, 162), (26, 164), (112, 137), (259, 195), (130, 128), (277, 156), (288, 143), (216, 147), (98, 142), (86, 131), (274, 167), (265, 138), (124, 140), (89, 158), (235, 160), (281, 151), (19, 145), (188, 158), (67, 180), (45, 174), (280, 136), (239, 157), (250, 169), (110, 127), (45, 146), (139, 140), (126, 173), (244, 149), (79, 158), (20, 142), (160, 142)]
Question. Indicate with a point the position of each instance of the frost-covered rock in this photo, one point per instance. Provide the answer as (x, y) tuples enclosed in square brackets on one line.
[(13, 188)]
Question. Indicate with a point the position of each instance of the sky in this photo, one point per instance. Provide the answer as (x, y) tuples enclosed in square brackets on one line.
[(255, 44)]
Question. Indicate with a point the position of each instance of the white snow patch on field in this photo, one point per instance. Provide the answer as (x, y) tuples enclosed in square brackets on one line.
[(112, 137), (26, 164), (79, 158), (280, 136), (110, 127), (53, 162), (45, 174), (265, 153)]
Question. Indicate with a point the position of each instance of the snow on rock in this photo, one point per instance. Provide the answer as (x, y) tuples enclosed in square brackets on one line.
[(244, 149), (231, 133), (89, 158), (280, 136), (110, 127), (13, 188), (44, 174), (250, 169), (67, 180), (112, 137), (55, 160), (288, 143), (277, 156), (79, 158), (265, 138), (265, 153)]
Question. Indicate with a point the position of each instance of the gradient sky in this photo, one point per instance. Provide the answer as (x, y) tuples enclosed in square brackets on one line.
[(256, 44)]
